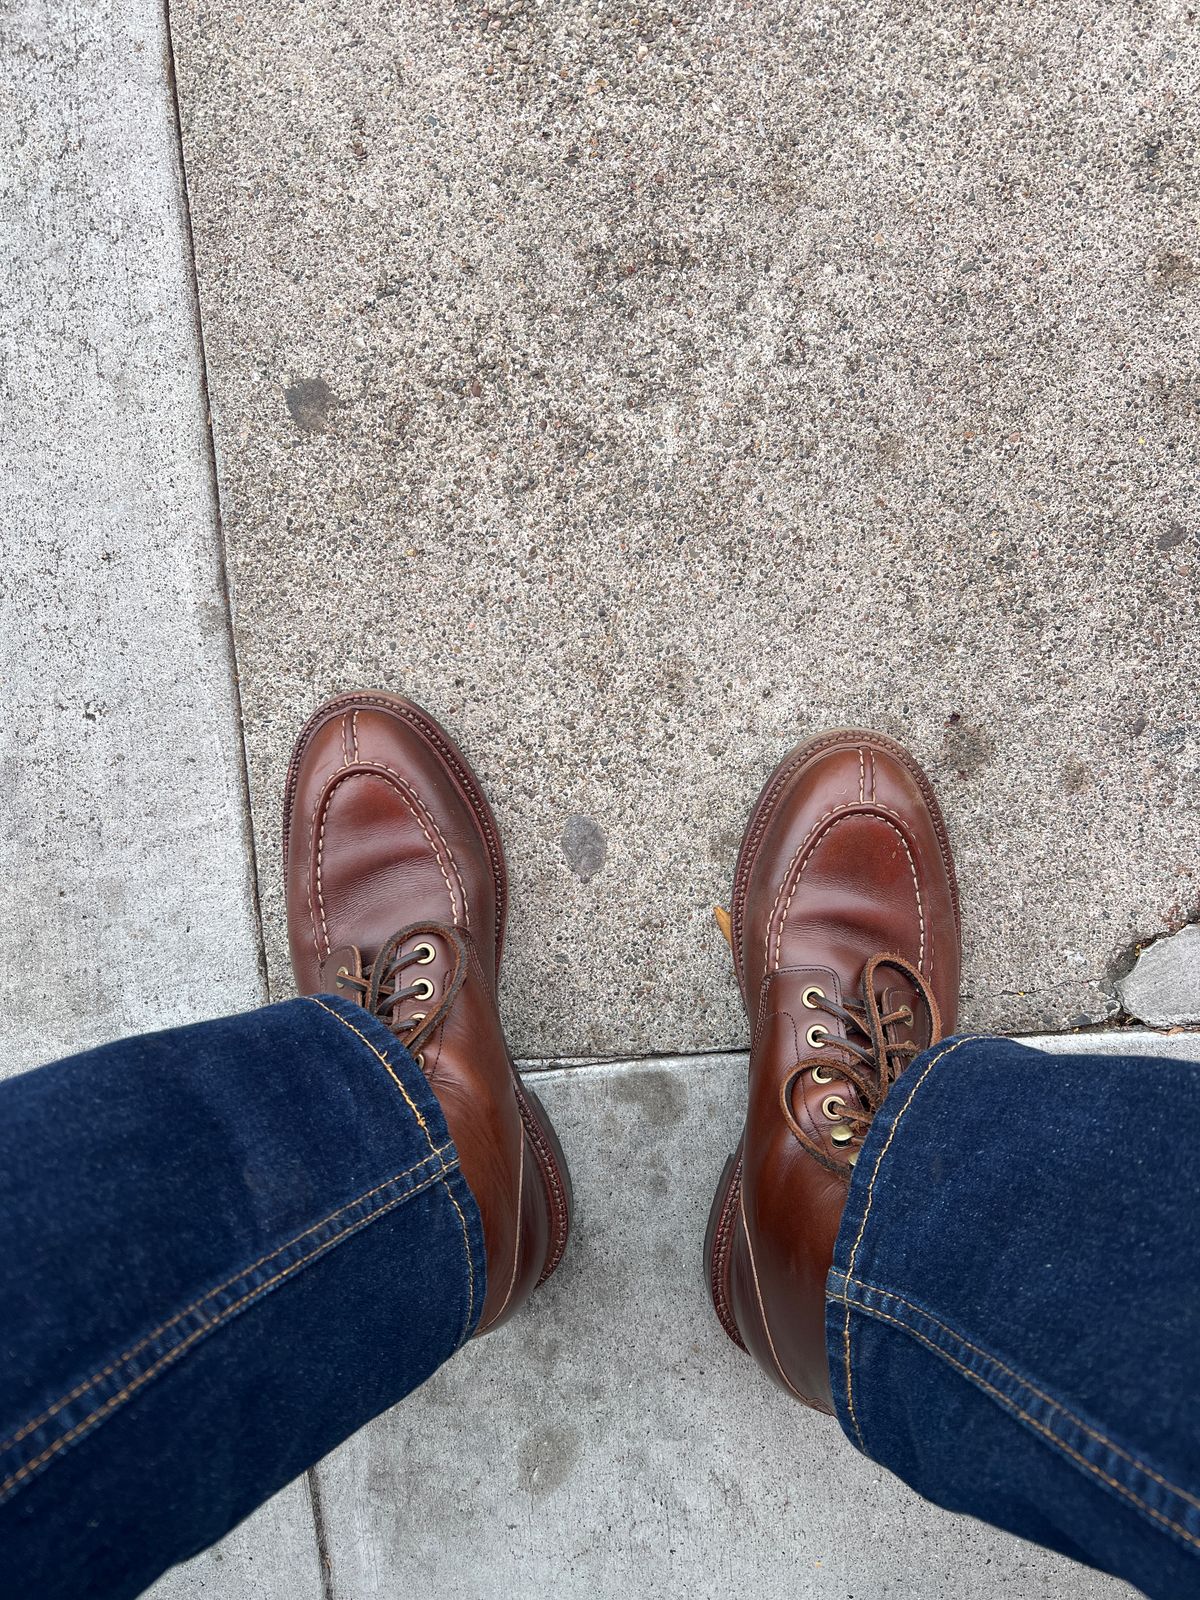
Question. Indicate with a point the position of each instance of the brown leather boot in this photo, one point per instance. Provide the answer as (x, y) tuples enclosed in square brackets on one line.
[(845, 937), (396, 895)]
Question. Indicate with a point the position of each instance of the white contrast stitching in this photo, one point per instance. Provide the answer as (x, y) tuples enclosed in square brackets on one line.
[(762, 1310), (415, 801), (847, 809), (412, 800), (391, 1072)]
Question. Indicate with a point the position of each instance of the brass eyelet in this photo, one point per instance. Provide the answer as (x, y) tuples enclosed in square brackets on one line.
[(819, 1075), (833, 1107), (425, 953), (852, 1158), (417, 1016), (419, 1058), (841, 1134), (817, 1036), (806, 997), (423, 989), (342, 972)]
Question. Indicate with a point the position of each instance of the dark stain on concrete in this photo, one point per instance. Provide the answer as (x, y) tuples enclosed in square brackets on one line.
[(584, 846), (1076, 775), (1171, 269), (1176, 396), (725, 845), (1171, 538), (546, 1459), (309, 402), (966, 748), (659, 1096)]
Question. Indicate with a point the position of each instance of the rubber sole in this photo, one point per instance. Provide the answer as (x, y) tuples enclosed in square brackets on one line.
[(556, 1174), (552, 1164), (722, 1221), (718, 1242)]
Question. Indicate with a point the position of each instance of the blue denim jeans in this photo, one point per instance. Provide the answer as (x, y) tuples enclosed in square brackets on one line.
[(224, 1248), (1013, 1317)]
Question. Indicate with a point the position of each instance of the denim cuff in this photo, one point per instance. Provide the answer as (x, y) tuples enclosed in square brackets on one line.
[(255, 1214), (1012, 1307), (854, 1252)]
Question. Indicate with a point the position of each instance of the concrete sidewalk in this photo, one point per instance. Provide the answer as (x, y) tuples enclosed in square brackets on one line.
[(558, 365)]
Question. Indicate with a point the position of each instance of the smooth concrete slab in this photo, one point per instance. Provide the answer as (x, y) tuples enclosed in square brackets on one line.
[(124, 850), (645, 389), (1181, 1044), (273, 1555), (124, 847), (1164, 986), (611, 1442)]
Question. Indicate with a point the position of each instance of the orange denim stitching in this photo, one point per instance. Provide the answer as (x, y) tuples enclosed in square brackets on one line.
[(462, 1221), (128, 1355), (949, 1051), (379, 1056), (1004, 1400), (169, 1356), (1049, 1400)]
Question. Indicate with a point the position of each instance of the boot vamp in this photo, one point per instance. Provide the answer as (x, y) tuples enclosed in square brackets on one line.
[(792, 1204), (380, 834), (851, 865)]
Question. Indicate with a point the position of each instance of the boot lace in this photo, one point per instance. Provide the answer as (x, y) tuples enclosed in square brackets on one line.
[(876, 1065), (391, 990)]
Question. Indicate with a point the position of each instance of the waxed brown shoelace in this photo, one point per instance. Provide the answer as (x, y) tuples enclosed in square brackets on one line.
[(390, 993), (880, 1061)]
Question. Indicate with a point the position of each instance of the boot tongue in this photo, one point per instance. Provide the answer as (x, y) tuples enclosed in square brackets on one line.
[(434, 964)]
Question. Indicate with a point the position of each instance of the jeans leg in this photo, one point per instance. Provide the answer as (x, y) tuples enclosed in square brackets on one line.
[(1013, 1317), (223, 1248)]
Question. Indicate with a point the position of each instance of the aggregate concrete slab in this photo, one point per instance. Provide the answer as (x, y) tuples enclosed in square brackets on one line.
[(644, 388), (611, 1442), (124, 849)]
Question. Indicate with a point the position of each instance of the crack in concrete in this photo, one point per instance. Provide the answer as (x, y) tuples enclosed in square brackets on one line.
[(210, 464)]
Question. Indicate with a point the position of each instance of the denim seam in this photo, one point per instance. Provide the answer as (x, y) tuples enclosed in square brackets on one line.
[(380, 1057), (1011, 1403), (391, 1072), (862, 1227), (243, 1272), (175, 1351), (1056, 1405)]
